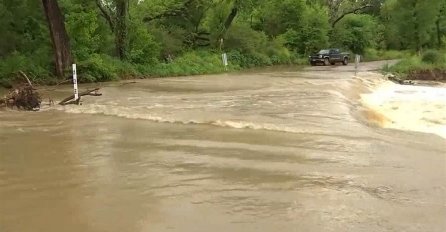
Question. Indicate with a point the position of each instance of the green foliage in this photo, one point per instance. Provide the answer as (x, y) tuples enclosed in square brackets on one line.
[(311, 33), (241, 37), (177, 37), (143, 48), (191, 63), (356, 33), (314, 35), (36, 66), (83, 25), (408, 64), (371, 54), (248, 60), (431, 60), (99, 67), (433, 57), (278, 52), (410, 24), (277, 18)]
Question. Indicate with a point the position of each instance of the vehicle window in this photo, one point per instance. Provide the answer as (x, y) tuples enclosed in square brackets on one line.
[(324, 52)]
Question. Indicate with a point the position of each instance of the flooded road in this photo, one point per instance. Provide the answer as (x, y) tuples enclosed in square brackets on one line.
[(271, 150)]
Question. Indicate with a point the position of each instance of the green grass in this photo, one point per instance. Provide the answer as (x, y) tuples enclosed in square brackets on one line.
[(376, 55), (429, 61)]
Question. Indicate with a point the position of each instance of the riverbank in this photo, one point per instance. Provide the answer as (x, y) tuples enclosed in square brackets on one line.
[(102, 68), (429, 66)]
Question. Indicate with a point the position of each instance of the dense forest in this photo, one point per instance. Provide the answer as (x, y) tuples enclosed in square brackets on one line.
[(112, 39)]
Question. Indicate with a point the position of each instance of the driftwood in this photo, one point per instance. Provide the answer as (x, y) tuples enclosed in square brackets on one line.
[(23, 97), (397, 80), (70, 100), (26, 77), (26, 97)]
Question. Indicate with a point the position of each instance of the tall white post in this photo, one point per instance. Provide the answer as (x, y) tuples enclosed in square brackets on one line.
[(224, 58), (357, 60), (76, 92)]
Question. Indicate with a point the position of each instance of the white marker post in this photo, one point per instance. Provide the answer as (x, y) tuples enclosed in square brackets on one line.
[(357, 60), (76, 92), (224, 58)]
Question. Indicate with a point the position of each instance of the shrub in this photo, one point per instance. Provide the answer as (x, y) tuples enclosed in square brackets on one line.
[(190, 63), (372, 54), (143, 49), (243, 38), (102, 68), (433, 57), (37, 67), (407, 65)]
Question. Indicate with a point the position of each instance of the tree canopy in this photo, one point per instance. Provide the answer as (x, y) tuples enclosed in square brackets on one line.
[(110, 38)]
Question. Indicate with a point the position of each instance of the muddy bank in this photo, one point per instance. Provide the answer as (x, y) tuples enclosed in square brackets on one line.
[(428, 75)]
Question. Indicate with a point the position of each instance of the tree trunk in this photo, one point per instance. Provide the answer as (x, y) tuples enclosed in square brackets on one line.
[(416, 27), (228, 22), (121, 28), (437, 24), (231, 18), (59, 37)]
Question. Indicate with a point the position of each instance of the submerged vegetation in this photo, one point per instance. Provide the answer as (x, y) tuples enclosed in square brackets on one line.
[(115, 39)]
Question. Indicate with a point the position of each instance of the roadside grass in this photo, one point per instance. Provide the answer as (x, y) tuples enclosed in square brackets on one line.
[(431, 62)]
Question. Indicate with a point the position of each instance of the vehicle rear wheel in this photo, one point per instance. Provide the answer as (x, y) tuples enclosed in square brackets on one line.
[(326, 61), (345, 61)]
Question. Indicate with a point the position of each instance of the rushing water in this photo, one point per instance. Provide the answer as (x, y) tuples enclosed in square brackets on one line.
[(272, 150)]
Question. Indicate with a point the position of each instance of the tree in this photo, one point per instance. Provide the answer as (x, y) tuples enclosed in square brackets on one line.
[(116, 14), (438, 23), (338, 9), (356, 33), (59, 37), (414, 21)]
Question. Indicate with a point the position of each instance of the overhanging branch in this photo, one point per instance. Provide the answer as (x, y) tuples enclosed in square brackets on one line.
[(181, 11), (354, 11), (106, 13)]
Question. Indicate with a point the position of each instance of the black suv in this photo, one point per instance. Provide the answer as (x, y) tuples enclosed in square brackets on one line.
[(329, 56)]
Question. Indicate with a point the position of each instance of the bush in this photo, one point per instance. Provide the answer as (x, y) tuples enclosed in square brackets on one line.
[(243, 38), (250, 48), (356, 32), (371, 54), (407, 65), (104, 68), (277, 51), (143, 49), (190, 63), (37, 67), (433, 57), (429, 61)]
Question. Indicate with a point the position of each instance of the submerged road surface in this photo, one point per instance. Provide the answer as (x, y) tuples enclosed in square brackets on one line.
[(271, 150)]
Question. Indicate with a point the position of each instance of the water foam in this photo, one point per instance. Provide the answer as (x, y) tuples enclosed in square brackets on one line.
[(411, 108), (135, 113)]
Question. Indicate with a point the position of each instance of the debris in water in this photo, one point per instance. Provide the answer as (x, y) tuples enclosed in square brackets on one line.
[(23, 97)]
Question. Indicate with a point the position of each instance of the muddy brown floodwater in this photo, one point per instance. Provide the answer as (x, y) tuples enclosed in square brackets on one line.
[(270, 150)]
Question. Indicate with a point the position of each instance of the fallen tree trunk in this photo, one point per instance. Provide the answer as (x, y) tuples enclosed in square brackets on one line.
[(70, 100)]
